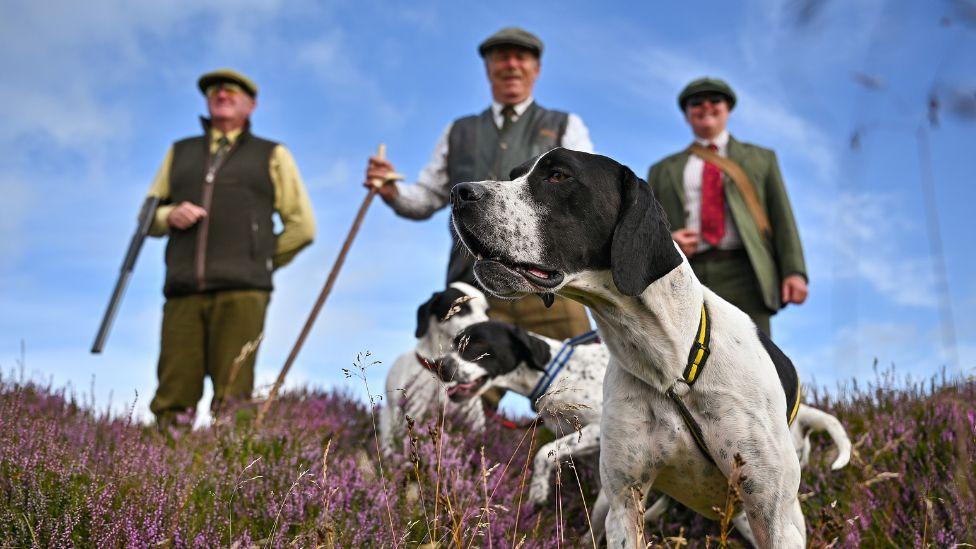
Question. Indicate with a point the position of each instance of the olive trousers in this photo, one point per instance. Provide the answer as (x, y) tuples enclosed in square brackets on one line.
[(730, 275), (215, 335), (565, 319)]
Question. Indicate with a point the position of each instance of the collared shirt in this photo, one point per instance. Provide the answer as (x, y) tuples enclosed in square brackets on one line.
[(693, 182), (432, 191), (291, 199)]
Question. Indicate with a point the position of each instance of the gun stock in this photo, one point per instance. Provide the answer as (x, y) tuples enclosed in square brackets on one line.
[(128, 263)]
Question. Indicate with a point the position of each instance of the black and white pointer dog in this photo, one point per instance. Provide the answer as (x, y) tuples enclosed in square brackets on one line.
[(563, 380), (412, 386), (691, 382)]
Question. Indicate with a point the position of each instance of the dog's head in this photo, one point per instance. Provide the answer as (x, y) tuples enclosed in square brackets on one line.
[(486, 352), (445, 314), (563, 214)]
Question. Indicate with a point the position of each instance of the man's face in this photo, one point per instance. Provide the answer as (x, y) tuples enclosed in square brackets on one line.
[(707, 114), (512, 72), (229, 105)]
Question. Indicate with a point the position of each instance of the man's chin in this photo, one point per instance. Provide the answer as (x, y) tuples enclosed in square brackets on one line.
[(500, 280)]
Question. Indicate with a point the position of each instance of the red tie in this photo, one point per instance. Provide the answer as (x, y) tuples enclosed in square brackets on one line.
[(712, 203)]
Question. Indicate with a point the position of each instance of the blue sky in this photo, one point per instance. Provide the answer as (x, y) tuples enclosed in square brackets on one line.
[(93, 93)]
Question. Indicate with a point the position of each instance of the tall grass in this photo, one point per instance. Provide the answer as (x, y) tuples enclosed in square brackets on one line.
[(72, 475)]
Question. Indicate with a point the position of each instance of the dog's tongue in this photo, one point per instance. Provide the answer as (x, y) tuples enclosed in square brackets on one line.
[(460, 387), (541, 274)]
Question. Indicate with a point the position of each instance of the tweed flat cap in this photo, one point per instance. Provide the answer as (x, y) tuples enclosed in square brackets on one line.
[(706, 85), (512, 36), (227, 75)]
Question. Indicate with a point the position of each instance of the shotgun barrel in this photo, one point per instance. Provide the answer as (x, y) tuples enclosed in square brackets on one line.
[(128, 263)]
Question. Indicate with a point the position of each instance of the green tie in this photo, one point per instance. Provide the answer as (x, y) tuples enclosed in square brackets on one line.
[(223, 145), (508, 113)]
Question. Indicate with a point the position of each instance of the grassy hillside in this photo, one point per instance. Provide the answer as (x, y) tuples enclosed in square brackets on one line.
[(311, 476)]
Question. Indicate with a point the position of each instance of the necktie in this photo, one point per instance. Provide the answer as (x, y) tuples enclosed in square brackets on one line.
[(223, 145), (508, 113), (712, 203)]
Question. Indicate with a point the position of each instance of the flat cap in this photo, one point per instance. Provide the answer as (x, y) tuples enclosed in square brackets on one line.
[(512, 36), (227, 75), (706, 85)]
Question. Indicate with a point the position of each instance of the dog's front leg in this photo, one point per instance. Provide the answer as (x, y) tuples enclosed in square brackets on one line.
[(575, 444), (628, 456)]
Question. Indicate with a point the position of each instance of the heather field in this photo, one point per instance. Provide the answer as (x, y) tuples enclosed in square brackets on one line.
[(71, 475)]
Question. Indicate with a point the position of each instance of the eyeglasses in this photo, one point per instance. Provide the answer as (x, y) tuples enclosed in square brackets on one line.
[(229, 87), (699, 100)]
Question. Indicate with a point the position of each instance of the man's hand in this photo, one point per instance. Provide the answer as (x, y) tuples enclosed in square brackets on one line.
[(687, 240), (185, 215), (794, 289), (380, 168)]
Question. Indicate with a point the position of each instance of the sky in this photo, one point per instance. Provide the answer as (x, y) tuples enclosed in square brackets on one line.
[(870, 105)]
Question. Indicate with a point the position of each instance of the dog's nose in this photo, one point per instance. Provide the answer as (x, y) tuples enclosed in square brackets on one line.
[(446, 368), (467, 192)]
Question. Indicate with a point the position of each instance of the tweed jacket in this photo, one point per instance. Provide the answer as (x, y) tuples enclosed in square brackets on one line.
[(772, 259)]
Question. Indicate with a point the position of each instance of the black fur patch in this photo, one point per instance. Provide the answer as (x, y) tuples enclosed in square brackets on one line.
[(499, 348), (438, 306), (785, 369)]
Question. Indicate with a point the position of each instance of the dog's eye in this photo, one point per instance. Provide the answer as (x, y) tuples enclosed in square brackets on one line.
[(556, 176)]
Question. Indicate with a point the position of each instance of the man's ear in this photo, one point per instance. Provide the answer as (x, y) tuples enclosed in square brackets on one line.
[(423, 316), (532, 350), (642, 250)]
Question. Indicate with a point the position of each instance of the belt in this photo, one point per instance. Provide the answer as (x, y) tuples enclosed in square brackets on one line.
[(716, 254)]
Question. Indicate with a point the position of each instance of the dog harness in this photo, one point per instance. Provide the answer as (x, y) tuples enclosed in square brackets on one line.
[(698, 357), (556, 364)]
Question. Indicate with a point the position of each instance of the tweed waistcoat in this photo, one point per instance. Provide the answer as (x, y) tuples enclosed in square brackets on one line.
[(479, 151)]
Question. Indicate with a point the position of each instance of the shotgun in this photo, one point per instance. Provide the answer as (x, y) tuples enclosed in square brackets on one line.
[(142, 229)]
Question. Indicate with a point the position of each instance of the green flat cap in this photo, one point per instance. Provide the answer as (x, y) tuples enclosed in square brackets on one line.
[(706, 85), (512, 36), (227, 75)]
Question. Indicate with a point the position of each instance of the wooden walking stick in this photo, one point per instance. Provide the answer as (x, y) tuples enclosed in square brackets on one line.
[(377, 183)]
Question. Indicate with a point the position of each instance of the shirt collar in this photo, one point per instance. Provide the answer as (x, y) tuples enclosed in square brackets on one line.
[(721, 141), (232, 135), (496, 109)]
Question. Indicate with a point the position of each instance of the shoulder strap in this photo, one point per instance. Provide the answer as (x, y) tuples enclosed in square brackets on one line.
[(742, 182)]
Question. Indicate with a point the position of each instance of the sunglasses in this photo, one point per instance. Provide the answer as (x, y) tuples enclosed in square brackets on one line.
[(699, 100), (229, 87)]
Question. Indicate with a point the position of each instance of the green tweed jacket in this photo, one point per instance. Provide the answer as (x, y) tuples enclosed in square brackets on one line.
[(772, 260)]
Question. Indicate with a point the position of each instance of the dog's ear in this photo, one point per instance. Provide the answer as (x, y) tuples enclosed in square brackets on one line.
[(642, 250), (522, 169), (532, 350), (423, 315)]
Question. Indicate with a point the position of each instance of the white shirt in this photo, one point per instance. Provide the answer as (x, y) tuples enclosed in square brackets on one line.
[(693, 183), (432, 191)]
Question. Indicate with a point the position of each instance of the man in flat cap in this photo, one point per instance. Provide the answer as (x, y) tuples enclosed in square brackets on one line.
[(729, 210), (218, 194), (487, 146)]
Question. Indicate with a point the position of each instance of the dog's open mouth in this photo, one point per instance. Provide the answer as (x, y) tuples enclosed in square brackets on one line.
[(464, 391), (536, 275), (543, 279)]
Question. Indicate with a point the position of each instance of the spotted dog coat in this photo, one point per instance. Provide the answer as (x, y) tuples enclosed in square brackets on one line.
[(586, 227), (496, 354), (413, 390)]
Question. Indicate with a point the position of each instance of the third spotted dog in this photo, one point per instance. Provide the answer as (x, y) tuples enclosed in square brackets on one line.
[(691, 382), (563, 381)]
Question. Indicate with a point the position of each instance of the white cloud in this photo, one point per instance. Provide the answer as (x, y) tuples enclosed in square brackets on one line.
[(867, 240)]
